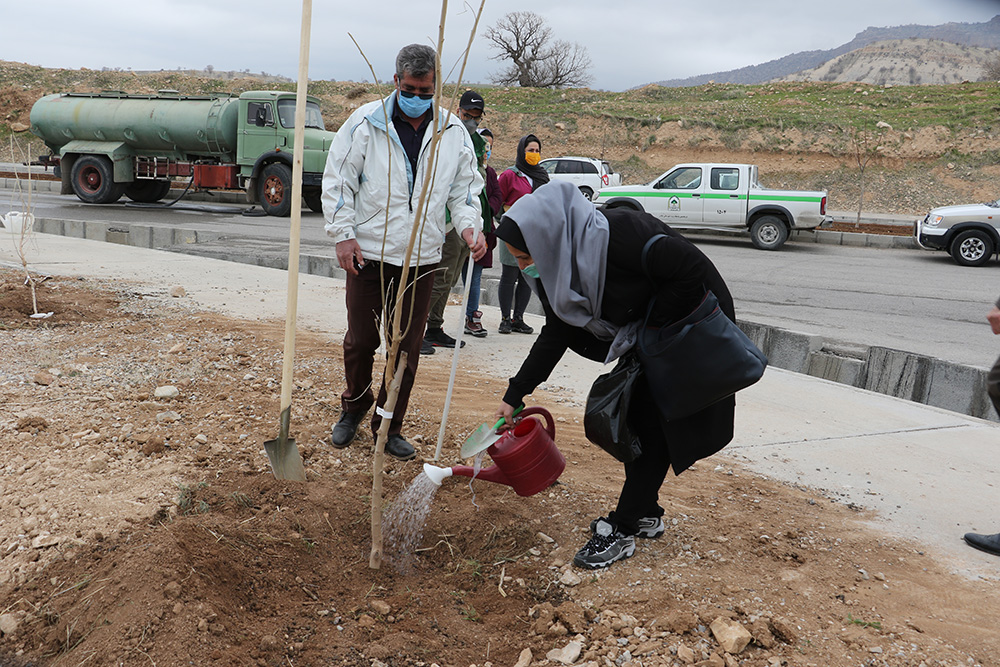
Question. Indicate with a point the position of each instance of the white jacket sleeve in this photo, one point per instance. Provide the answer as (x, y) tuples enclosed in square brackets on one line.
[(463, 199), (342, 177)]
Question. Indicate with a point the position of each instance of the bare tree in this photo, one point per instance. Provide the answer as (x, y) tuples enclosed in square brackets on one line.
[(865, 144), (536, 59)]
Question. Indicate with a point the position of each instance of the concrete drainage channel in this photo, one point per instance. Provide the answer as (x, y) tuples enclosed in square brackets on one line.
[(905, 375)]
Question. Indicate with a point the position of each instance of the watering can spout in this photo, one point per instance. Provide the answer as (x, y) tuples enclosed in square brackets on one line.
[(436, 474), (490, 474)]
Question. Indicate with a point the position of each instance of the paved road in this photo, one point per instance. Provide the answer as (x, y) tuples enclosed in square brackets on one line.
[(911, 300), (907, 299)]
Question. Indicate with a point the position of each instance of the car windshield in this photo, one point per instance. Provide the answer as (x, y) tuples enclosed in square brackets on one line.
[(992, 204), (286, 114)]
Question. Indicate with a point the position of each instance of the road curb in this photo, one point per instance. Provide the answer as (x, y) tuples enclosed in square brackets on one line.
[(897, 373), (855, 239)]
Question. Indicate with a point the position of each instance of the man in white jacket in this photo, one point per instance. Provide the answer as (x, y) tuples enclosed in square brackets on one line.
[(374, 175)]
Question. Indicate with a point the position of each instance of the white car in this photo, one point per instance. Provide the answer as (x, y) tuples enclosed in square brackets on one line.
[(722, 197), (587, 173)]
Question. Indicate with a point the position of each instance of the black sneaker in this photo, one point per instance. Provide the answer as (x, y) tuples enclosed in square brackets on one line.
[(426, 347), (345, 429), (505, 326), (604, 548), (438, 338), (517, 325), (398, 448), (650, 526)]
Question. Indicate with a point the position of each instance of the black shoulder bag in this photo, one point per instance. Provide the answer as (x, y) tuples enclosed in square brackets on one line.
[(698, 360)]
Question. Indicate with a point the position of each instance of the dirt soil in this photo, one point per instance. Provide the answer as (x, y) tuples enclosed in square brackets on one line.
[(142, 529)]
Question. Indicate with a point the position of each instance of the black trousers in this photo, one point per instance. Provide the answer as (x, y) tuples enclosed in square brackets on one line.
[(644, 476), (513, 288), (993, 385)]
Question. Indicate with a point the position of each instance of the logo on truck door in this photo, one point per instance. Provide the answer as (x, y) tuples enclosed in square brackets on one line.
[(674, 204)]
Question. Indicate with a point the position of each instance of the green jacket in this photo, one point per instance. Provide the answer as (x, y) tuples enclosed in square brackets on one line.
[(484, 203)]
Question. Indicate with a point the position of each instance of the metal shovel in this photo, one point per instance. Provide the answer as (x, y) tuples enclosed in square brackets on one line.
[(483, 437), (286, 462)]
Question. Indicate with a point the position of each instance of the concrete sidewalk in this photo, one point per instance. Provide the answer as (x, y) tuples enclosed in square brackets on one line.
[(930, 474)]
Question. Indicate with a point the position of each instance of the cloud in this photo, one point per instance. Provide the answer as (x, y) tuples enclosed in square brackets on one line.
[(631, 43)]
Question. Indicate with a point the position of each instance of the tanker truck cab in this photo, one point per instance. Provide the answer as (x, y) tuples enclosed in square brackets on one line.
[(105, 145), (265, 145)]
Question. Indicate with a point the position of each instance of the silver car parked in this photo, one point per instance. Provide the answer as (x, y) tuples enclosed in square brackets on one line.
[(969, 232)]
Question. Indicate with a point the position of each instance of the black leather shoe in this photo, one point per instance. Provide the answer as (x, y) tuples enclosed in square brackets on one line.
[(398, 448), (346, 428), (438, 338), (988, 543)]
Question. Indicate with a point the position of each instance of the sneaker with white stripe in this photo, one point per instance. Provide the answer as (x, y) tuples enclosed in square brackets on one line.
[(650, 526), (605, 547)]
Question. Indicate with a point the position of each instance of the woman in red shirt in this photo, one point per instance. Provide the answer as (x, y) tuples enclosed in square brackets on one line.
[(524, 177)]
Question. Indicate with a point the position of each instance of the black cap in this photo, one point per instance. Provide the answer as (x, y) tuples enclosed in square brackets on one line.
[(472, 100)]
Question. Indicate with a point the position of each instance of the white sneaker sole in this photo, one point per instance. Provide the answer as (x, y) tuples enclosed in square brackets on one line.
[(625, 553)]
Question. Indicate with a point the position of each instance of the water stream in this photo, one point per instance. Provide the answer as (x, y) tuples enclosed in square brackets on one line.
[(403, 523)]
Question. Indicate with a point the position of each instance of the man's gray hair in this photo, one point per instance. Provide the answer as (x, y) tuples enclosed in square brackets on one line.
[(416, 60)]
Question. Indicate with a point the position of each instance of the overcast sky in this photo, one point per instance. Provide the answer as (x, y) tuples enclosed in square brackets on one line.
[(631, 42)]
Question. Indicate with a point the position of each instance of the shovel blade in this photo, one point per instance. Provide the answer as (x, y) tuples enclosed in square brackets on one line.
[(484, 436), (481, 439), (286, 462)]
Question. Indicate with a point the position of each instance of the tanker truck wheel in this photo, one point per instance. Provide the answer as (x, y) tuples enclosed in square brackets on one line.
[(275, 190), (93, 180), (147, 191)]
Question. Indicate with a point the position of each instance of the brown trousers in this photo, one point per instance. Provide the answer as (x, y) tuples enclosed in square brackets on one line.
[(366, 294)]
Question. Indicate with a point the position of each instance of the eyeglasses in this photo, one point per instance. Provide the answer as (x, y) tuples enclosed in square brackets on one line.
[(407, 94)]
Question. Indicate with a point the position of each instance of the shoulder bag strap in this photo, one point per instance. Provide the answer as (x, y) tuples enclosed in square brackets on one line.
[(645, 253), (645, 271)]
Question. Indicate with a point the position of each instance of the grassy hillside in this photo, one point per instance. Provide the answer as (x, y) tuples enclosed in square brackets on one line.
[(937, 144)]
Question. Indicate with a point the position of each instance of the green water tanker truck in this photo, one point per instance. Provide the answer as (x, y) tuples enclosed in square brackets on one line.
[(104, 145)]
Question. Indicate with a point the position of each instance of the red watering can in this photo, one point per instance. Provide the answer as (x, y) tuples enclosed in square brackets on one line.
[(525, 458)]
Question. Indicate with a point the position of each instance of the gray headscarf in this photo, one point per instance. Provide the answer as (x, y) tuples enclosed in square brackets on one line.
[(567, 237)]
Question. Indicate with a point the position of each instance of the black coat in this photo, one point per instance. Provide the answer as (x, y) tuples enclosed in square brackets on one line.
[(682, 273)]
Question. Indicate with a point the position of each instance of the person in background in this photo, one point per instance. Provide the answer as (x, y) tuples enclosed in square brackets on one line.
[(473, 316), (455, 251), (374, 173), (524, 177), (990, 543), (586, 267)]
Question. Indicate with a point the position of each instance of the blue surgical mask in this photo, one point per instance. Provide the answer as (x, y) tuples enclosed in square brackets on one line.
[(531, 271), (412, 105), (488, 153)]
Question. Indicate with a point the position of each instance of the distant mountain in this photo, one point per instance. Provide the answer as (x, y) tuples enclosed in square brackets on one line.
[(904, 62), (986, 35)]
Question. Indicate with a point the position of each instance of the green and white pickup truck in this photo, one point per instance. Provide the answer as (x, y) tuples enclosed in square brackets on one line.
[(724, 197)]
